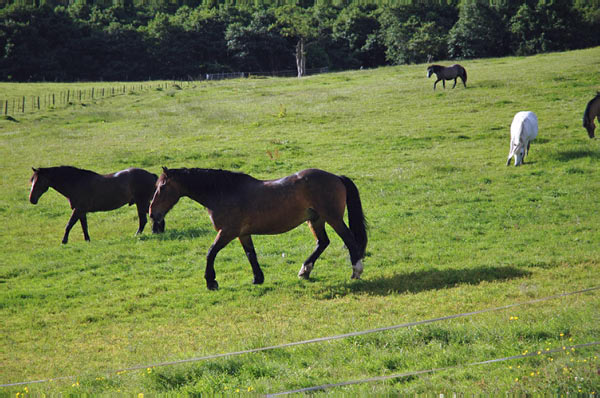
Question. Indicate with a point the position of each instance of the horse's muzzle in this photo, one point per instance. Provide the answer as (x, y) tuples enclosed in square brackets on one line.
[(33, 200), (156, 217)]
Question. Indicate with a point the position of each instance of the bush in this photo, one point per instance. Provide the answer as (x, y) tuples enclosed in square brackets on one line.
[(479, 32)]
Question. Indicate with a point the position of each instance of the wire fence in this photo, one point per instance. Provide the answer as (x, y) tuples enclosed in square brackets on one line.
[(281, 73), (32, 103), (330, 338), (426, 371), (19, 105)]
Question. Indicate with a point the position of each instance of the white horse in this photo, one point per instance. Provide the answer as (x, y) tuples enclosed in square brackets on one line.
[(523, 130)]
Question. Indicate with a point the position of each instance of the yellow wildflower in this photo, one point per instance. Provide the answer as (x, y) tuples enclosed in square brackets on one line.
[(141, 395)]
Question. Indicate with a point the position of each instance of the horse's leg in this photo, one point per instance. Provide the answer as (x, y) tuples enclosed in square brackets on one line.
[(318, 229), (444, 83), (209, 274), (83, 221), (142, 211), (74, 218), (454, 82), (436, 82), (248, 246), (342, 230)]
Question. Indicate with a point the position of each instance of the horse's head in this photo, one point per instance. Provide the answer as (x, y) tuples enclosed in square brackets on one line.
[(590, 127), (168, 192), (39, 185), (429, 71)]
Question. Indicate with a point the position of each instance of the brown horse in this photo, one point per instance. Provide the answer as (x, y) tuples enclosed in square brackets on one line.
[(444, 73), (240, 206), (89, 192), (592, 111)]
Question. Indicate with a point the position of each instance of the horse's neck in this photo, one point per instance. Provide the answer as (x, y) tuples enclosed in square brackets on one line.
[(209, 196), (595, 109), (205, 198), (62, 185)]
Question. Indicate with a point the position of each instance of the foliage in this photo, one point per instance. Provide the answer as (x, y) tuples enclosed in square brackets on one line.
[(549, 26), (120, 41), (413, 34), (479, 32)]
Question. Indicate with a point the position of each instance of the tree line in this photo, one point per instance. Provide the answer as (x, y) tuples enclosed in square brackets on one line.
[(125, 41)]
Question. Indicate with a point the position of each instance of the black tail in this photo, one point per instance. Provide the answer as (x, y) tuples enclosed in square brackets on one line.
[(464, 76), (356, 217)]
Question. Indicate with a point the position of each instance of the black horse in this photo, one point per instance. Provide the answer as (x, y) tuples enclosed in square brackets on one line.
[(592, 111), (240, 206), (444, 73), (88, 191)]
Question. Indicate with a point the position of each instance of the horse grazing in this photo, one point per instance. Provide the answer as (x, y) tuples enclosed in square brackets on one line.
[(444, 73), (523, 130), (89, 192), (592, 111), (240, 206)]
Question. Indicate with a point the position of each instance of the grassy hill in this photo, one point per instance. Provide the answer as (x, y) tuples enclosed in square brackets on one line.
[(452, 230)]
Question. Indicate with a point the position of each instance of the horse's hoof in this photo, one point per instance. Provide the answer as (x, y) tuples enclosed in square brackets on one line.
[(213, 285), (305, 271), (258, 280), (357, 270), (64, 242)]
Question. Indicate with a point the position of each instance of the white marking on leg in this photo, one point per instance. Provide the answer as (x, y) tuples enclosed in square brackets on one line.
[(305, 270), (357, 270)]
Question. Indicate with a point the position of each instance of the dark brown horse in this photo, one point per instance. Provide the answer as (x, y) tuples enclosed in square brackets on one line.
[(592, 111), (444, 73), (240, 206), (89, 192)]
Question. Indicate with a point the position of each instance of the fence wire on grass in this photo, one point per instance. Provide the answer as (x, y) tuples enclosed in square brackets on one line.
[(336, 337)]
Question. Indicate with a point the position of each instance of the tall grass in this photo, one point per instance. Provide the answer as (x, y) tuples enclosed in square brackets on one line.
[(452, 230)]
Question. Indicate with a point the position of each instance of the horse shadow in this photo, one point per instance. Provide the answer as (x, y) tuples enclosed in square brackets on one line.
[(179, 234), (566, 156), (415, 282)]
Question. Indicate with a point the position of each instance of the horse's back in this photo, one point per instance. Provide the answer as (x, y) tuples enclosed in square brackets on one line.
[(276, 206), (525, 125), (132, 185)]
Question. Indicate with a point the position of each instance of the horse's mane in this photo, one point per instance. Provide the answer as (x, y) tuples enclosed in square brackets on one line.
[(209, 180), (586, 113), (67, 173)]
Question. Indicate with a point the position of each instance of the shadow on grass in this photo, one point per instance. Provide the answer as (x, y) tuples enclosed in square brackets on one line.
[(179, 234), (416, 282), (566, 156)]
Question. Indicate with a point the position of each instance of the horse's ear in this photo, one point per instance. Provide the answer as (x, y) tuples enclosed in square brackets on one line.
[(165, 170), (35, 170)]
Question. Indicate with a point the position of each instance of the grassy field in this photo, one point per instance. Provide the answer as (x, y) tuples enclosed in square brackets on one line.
[(452, 230)]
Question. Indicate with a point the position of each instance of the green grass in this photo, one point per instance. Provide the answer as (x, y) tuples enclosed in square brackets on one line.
[(452, 230)]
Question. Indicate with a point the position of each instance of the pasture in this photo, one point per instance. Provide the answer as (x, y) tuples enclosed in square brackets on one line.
[(452, 230)]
